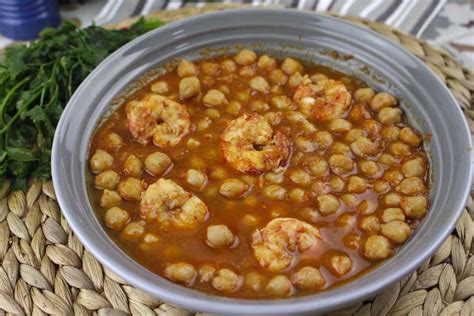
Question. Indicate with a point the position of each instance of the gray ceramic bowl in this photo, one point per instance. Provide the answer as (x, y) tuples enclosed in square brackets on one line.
[(384, 65)]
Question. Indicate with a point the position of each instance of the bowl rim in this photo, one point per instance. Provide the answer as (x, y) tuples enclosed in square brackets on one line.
[(204, 302)]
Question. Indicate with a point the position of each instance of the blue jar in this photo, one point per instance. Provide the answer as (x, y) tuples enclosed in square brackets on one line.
[(24, 19)]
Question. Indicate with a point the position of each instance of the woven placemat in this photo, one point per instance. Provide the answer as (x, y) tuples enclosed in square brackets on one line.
[(46, 270)]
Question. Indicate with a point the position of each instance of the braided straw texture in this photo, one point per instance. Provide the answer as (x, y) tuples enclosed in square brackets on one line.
[(44, 269)]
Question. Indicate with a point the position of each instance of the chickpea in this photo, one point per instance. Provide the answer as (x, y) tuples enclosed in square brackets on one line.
[(246, 57), (206, 273), (157, 163), (370, 224), (369, 167), (291, 66), (346, 220), (357, 184), (381, 186), (392, 214), (354, 134), (278, 77), (116, 218), (213, 114), (279, 285), (298, 195), (243, 96), (364, 95), (233, 188), (352, 241), (196, 178), (359, 112), (266, 62), (229, 66), (259, 106), (340, 264), (250, 220), (227, 280), (392, 199), (320, 188), (377, 247), (181, 272), (397, 231), (114, 141), (350, 200), (390, 133), (282, 102), (364, 147), (275, 178), (218, 173), (410, 137), (318, 167), (160, 87), (100, 161), (390, 116), (336, 183), (372, 128), (305, 145), (203, 124), (214, 97), (274, 118), (234, 108), (107, 180), (260, 84), (324, 139), (219, 236), (295, 80), (247, 71), (254, 281), (151, 238), (341, 164), (317, 77), (130, 188), (411, 186), (414, 206), (193, 143), (186, 69), (341, 149), (109, 198), (275, 192), (394, 177), (309, 214), (210, 69), (133, 166), (134, 230), (189, 87), (399, 149), (300, 177), (250, 180), (414, 168), (366, 207), (339, 126), (386, 159), (328, 204), (308, 278), (382, 100)]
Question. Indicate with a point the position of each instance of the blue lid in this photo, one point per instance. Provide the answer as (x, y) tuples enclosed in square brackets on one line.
[(24, 19)]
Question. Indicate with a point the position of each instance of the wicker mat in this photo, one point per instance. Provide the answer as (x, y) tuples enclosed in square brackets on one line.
[(46, 270)]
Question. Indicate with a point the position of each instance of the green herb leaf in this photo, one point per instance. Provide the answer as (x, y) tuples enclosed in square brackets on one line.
[(37, 81)]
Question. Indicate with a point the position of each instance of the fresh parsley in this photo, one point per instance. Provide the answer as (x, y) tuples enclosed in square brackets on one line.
[(36, 82)]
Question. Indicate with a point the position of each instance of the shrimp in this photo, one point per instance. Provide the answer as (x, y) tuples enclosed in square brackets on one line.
[(250, 145), (276, 245), (326, 100), (170, 204), (156, 116)]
